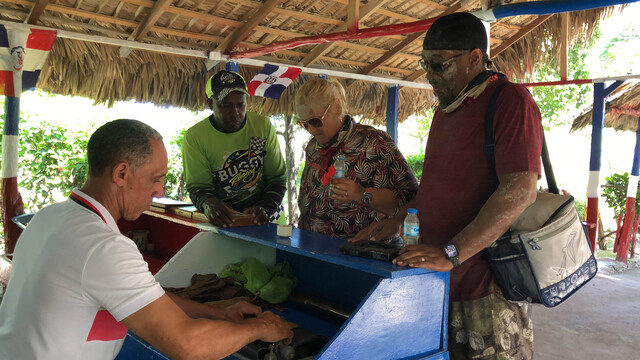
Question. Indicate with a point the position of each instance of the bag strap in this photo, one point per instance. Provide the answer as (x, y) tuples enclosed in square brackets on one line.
[(489, 147)]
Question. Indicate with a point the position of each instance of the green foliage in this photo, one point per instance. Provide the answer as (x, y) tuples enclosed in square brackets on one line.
[(424, 125), (52, 162), (416, 162), (621, 54), (555, 101), (271, 284), (581, 206), (616, 195), (174, 185)]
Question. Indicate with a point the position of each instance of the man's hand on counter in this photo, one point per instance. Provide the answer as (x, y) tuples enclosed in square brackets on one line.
[(424, 256), (378, 230), (238, 311), (218, 213), (277, 327), (259, 213)]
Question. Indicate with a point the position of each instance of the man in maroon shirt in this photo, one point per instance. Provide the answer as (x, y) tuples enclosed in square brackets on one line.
[(459, 211)]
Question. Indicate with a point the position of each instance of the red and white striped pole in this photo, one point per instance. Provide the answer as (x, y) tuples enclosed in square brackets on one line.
[(630, 208), (22, 54), (600, 93)]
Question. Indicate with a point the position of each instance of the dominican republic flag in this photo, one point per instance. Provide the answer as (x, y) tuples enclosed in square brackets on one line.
[(22, 54), (272, 80)]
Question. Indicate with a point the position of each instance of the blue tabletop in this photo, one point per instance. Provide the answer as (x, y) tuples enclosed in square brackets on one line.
[(318, 246)]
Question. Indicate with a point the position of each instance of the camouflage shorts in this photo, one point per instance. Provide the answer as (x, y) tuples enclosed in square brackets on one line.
[(491, 328)]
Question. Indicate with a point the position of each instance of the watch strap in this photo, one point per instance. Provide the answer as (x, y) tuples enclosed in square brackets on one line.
[(367, 196), (451, 255), (455, 261)]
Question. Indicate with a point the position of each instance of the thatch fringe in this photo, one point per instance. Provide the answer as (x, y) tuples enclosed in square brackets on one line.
[(626, 96), (97, 71), (517, 62)]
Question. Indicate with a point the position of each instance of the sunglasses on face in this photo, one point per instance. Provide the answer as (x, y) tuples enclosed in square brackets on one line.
[(314, 121), (438, 67)]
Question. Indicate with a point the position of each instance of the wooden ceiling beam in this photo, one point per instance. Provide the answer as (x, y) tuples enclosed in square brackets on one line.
[(36, 12), (234, 23), (353, 16), (361, 64), (243, 31), (460, 5), (90, 15), (326, 20), (433, 4), (101, 5), (415, 75), (319, 50), (519, 35), (502, 23), (386, 56), (196, 36), (156, 11), (199, 36), (308, 16), (394, 15)]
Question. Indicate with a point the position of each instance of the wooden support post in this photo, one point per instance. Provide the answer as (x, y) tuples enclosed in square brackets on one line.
[(600, 93), (630, 208), (564, 47), (618, 227), (353, 16), (10, 196), (594, 163), (634, 235)]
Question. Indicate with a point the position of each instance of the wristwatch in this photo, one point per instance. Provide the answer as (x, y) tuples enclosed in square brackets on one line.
[(451, 252), (366, 197)]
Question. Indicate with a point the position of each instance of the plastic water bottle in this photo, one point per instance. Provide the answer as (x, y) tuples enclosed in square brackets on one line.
[(411, 228), (340, 167)]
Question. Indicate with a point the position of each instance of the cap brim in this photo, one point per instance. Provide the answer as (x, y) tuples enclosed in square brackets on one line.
[(228, 91)]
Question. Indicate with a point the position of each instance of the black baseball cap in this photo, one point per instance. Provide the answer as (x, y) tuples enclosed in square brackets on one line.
[(223, 83), (457, 31)]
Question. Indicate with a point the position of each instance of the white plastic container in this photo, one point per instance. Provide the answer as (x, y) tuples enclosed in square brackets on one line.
[(411, 234)]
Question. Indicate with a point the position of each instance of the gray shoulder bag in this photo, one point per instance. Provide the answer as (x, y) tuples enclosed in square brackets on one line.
[(545, 256)]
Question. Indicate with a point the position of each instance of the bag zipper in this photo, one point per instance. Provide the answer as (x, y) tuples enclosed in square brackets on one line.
[(554, 233)]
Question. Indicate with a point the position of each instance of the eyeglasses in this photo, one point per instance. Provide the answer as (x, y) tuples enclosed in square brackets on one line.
[(314, 121), (438, 67)]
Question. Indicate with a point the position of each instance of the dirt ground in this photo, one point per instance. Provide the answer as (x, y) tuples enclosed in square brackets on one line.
[(599, 322)]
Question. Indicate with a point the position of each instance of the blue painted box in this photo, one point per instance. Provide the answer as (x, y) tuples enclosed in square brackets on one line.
[(399, 312)]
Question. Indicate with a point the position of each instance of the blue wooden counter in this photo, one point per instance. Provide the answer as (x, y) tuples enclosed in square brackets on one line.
[(398, 312)]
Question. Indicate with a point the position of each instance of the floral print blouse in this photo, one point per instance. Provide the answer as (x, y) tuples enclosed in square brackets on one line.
[(372, 160)]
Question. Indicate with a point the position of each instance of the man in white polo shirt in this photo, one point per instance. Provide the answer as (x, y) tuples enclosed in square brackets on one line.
[(77, 284)]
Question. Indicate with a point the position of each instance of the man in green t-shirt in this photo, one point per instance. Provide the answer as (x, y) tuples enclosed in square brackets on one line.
[(232, 159)]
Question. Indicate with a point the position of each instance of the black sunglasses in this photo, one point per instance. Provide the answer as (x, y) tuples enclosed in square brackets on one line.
[(438, 67), (314, 121)]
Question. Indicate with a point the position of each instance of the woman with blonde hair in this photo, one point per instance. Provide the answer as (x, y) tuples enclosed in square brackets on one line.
[(377, 180)]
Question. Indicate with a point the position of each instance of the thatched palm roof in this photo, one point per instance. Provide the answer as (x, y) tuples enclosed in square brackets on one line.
[(621, 112), (98, 71)]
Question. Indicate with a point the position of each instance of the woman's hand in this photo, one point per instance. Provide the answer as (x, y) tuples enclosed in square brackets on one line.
[(378, 231), (346, 190)]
